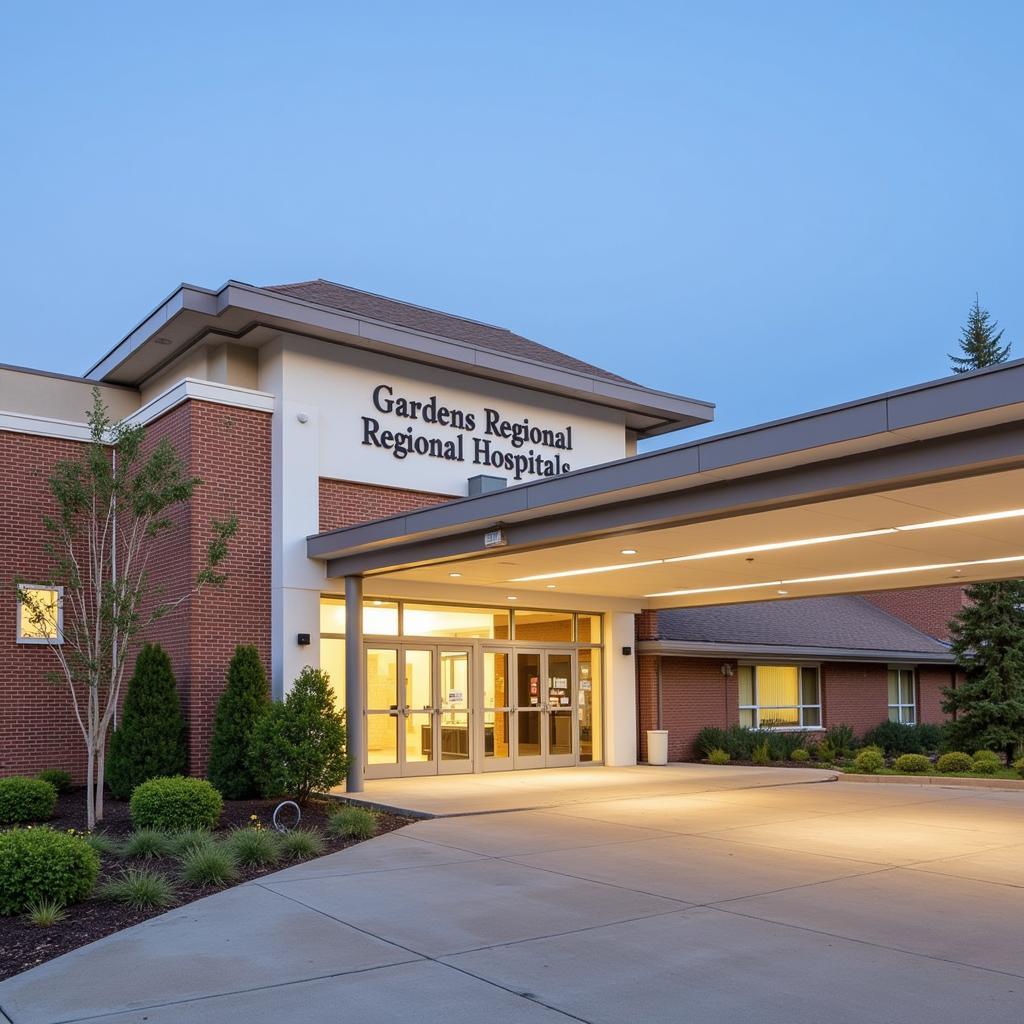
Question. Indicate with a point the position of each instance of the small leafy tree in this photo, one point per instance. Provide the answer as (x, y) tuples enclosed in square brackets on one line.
[(298, 747), (980, 342), (113, 502), (988, 644), (245, 700), (150, 741)]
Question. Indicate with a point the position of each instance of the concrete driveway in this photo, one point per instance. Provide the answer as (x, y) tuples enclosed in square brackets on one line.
[(797, 903)]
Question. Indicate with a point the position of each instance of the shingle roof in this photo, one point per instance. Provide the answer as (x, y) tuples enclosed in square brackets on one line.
[(847, 622), (419, 318)]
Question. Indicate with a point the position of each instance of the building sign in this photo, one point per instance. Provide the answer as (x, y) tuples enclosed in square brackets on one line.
[(489, 439)]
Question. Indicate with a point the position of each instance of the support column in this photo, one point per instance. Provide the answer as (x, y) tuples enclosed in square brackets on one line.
[(620, 689), (355, 684)]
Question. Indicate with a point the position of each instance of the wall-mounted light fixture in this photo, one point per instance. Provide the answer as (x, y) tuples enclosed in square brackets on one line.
[(727, 669), (303, 639)]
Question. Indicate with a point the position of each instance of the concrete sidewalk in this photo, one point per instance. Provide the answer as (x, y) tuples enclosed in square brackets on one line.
[(781, 904)]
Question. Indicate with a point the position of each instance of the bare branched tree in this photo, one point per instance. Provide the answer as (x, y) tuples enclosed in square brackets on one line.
[(113, 502)]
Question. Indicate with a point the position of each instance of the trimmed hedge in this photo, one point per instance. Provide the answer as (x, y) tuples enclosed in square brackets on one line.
[(56, 777), (987, 762), (869, 761), (23, 800), (739, 742), (955, 761), (913, 764), (175, 804), (896, 738), (39, 864)]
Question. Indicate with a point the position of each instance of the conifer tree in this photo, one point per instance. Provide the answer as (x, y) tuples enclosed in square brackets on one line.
[(150, 741), (988, 644), (245, 700), (980, 342)]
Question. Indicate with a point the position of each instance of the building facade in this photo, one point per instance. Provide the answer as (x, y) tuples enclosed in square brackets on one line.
[(332, 421)]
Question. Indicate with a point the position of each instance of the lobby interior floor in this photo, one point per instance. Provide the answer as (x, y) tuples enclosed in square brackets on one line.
[(694, 899)]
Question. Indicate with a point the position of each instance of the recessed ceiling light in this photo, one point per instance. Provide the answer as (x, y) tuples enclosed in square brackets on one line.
[(782, 592), (378, 603), (455, 575), (552, 586), (512, 597), (628, 551)]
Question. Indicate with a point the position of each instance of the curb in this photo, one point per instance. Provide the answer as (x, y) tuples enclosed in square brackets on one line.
[(953, 781)]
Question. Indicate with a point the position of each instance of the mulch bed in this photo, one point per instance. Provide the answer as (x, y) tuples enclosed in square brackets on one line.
[(24, 945)]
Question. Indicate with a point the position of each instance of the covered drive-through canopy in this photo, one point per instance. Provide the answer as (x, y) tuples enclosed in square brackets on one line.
[(916, 487)]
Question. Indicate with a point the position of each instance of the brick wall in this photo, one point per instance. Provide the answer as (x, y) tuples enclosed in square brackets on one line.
[(854, 694), (931, 681), (344, 503), (37, 725), (928, 609)]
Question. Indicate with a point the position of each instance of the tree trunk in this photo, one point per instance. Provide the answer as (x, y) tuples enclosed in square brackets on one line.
[(101, 759), (90, 792)]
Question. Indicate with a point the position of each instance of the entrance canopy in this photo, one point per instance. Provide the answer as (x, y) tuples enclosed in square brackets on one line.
[(916, 487)]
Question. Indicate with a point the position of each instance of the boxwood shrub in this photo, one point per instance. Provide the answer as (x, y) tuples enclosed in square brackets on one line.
[(869, 761), (56, 777), (38, 864), (913, 764), (175, 804), (24, 800), (987, 762), (955, 761)]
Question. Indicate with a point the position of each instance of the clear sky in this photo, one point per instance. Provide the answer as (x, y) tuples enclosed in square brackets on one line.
[(775, 206)]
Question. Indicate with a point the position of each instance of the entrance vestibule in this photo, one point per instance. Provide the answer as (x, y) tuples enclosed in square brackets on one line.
[(501, 690)]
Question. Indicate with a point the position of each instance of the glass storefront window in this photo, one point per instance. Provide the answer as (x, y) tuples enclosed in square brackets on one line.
[(588, 629), (380, 618), (543, 626), (591, 705), (454, 622)]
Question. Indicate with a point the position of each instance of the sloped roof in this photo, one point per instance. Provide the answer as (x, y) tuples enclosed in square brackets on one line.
[(845, 622), (431, 321)]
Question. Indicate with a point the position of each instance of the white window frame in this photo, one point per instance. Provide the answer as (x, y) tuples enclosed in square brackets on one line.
[(902, 704), (800, 708), (36, 640)]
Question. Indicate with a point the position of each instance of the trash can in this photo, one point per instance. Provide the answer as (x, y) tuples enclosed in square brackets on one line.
[(657, 746)]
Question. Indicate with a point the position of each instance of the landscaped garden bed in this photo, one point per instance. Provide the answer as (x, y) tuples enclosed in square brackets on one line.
[(24, 944)]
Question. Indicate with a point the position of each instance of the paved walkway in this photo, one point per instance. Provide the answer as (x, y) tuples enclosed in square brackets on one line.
[(845, 903)]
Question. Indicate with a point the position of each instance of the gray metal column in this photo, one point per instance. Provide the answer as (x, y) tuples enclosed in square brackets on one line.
[(355, 683)]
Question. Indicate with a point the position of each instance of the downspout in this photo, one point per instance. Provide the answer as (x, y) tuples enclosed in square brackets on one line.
[(660, 699)]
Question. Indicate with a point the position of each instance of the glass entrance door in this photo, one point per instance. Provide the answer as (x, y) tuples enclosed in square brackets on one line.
[(496, 711), (455, 703), (417, 714), (545, 710)]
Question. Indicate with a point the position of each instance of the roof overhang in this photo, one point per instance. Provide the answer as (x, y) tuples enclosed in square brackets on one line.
[(243, 314), (866, 475), (789, 652)]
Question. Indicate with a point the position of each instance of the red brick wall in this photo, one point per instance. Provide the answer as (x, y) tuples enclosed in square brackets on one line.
[(928, 609), (37, 725), (229, 449), (931, 681), (854, 694), (344, 503)]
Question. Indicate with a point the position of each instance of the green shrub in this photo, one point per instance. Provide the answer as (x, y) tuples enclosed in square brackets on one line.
[(897, 738), (44, 913), (25, 800), (252, 847), (40, 864), (209, 865), (302, 843), (1018, 766), (913, 764), (869, 761), (842, 740), (719, 756), (176, 804), (709, 739), (181, 843), (246, 699), (987, 762), (356, 822), (826, 752), (104, 845), (146, 842), (56, 777), (298, 747), (761, 754), (955, 761), (139, 888), (149, 742), (801, 754)]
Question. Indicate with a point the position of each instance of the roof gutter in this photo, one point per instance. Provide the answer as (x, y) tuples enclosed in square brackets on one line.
[(777, 652)]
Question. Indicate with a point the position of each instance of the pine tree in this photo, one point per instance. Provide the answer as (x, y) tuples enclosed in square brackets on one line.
[(979, 342), (988, 644), (150, 741), (245, 700)]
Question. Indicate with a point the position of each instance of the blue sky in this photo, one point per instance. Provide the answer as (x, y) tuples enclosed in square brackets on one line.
[(772, 206)]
